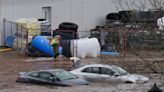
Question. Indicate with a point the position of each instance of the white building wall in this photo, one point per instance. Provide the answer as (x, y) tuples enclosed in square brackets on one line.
[(86, 13), (0, 25)]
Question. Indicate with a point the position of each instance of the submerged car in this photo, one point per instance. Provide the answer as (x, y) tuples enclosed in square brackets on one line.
[(107, 73), (57, 77)]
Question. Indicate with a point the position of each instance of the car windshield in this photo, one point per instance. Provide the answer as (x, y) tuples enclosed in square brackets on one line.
[(64, 75), (119, 70)]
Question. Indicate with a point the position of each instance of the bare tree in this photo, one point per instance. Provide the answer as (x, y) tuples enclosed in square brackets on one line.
[(157, 4), (131, 4)]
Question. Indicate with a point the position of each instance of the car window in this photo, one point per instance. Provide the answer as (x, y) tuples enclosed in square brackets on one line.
[(64, 75), (88, 70), (92, 70), (95, 70), (35, 74), (107, 71), (44, 75)]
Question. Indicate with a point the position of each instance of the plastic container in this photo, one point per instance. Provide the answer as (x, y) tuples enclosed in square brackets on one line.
[(60, 50), (76, 62), (160, 23), (10, 41), (33, 52), (85, 47), (42, 44)]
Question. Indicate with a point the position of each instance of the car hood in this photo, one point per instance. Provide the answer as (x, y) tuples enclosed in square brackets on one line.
[(72, 82), (134, 78)]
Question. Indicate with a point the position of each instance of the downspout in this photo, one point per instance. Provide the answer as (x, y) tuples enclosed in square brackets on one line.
[(71, 9), (0, 25), (82, 15)]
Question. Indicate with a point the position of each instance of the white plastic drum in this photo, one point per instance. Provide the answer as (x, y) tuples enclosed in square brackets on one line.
[(85, 47), (160, 23)]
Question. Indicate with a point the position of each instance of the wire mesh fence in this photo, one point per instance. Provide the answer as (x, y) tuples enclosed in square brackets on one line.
[(124, 39), (17, 36)]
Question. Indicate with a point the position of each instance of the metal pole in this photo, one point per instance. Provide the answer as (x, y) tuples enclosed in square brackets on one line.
[(11, 29), (26, 42), (4, 29), (76, 47), (118, 39), (21, 38), (17, 37), (99, 30), (124, 43)]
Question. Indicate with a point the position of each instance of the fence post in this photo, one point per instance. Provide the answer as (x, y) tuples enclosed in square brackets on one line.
[(21, 40), (4, 33), (11, 29), (17, 37), (124, 43), (26, 42)]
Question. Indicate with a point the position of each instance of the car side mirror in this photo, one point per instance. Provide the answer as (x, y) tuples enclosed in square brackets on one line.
[(116, 75), (51, 78), (56, 79)]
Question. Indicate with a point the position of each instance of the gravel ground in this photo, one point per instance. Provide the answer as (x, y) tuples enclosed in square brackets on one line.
[(11, 64)]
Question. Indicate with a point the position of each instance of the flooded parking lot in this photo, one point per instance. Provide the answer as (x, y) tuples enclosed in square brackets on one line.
[(12, 63)]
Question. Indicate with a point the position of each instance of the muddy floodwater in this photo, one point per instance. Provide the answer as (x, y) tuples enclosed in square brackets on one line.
[(11, 63)]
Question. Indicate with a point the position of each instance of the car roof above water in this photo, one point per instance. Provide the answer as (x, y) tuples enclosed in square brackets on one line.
[(50, 70), (99, 65), (53, 70)]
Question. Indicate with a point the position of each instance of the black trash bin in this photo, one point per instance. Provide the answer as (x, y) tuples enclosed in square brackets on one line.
[(66, 48)]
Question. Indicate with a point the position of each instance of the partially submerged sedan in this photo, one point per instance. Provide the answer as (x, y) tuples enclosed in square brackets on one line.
[(57, 77), (107, 73)]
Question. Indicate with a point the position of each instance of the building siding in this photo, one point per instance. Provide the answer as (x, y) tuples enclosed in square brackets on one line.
[(86, 13)]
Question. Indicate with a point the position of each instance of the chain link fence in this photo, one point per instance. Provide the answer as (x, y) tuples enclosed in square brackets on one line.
[(16, 37)]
